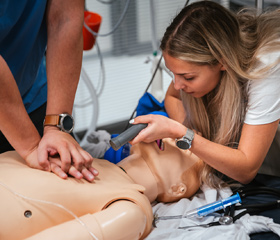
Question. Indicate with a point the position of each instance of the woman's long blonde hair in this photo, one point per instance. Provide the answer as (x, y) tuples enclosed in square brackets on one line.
[(205, 33)]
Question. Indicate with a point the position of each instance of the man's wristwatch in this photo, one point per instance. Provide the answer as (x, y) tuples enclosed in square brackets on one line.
[(64, 122), (186, 141)]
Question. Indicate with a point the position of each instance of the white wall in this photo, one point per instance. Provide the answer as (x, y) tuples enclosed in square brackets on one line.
[(127, 75)]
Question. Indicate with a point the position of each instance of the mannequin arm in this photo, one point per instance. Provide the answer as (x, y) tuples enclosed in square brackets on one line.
[(121, 220)]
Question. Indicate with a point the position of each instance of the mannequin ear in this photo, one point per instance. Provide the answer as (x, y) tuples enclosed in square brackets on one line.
[(178, 190)]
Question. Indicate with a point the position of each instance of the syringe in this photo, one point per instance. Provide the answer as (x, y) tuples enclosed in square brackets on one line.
[(213, 207)]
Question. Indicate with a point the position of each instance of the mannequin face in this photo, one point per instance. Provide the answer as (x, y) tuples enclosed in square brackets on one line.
[(171, 173), (185, 185), (178, 172)]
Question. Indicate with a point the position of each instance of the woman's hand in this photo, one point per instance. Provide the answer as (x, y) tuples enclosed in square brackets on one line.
[(159, 127)]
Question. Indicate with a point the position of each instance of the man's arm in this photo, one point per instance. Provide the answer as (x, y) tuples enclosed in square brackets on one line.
[(64, 53), (15, 123), (63, 63)]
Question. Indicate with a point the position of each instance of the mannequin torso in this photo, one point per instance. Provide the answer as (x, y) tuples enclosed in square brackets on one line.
[(42, 206)]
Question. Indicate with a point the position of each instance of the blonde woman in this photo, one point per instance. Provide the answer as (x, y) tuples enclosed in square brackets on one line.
[(224, 101)]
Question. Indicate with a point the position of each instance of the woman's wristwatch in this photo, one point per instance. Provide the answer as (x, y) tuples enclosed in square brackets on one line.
[(64, 121), (186, 141)]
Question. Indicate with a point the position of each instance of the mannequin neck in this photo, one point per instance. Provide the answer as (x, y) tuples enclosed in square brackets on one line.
[(138, 170)]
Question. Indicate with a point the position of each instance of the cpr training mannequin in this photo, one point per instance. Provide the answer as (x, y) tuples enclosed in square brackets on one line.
[(112, 207)]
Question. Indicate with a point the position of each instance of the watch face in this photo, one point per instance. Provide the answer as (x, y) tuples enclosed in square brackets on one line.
[(68, 123), (183, 144)]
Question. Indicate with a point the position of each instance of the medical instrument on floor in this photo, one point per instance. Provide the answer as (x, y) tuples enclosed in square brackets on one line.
[(223, 220), (127, 135), (205, 210), (229, 215), (213, 207)]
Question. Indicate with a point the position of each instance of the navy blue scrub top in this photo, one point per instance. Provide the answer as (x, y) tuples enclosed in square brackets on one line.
[(23, 40)]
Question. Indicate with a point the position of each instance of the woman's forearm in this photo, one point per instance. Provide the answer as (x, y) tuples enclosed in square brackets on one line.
[(173, 104), (243, 163)]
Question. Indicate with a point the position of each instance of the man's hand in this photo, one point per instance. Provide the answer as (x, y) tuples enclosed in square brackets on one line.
[(74, 160)]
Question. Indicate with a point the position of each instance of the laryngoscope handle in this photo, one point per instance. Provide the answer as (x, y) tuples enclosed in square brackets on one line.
[(127, 135)]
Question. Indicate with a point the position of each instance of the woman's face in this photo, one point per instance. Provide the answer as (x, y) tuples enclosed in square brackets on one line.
[(193, 79)]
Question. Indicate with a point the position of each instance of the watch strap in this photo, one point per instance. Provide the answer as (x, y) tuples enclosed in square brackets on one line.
[(189, 134), (51, 120)]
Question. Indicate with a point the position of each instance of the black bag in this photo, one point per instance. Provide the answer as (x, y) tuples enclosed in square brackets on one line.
[(253, 209)]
